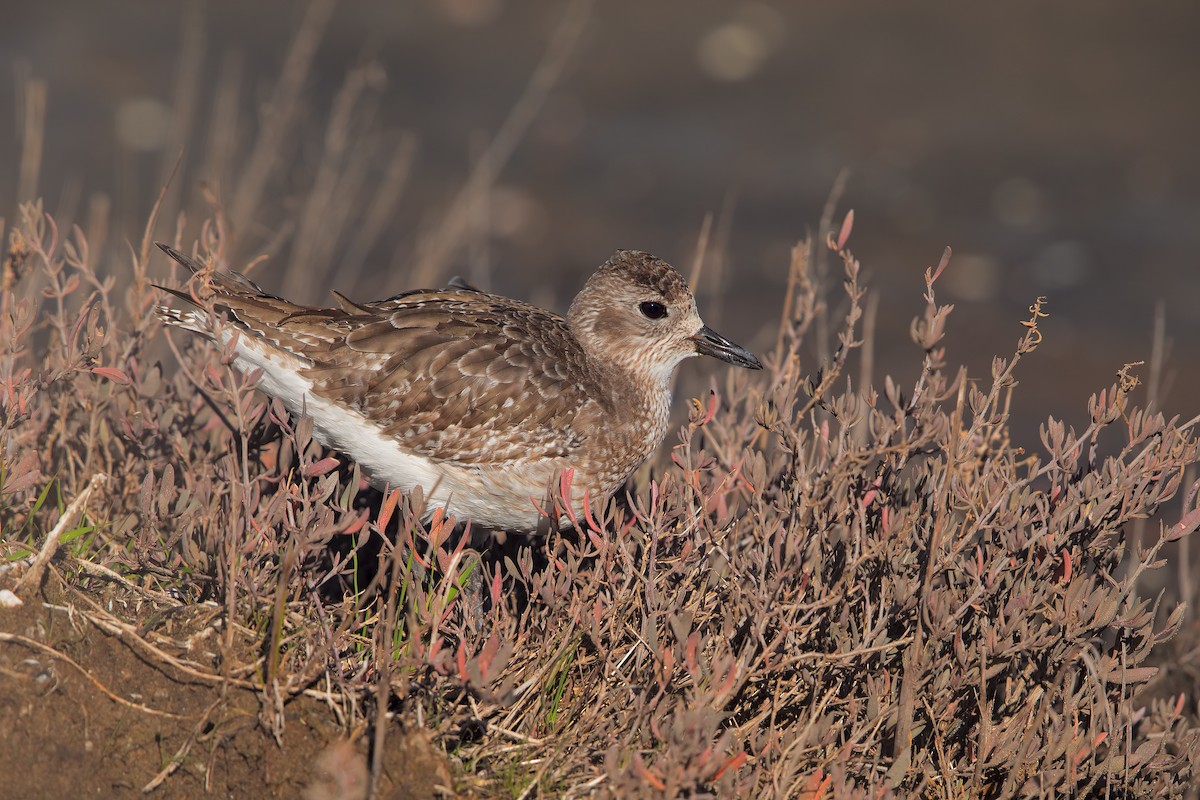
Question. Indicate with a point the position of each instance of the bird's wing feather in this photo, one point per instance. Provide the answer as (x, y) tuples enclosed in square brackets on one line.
[(461, 376), (456, 375)]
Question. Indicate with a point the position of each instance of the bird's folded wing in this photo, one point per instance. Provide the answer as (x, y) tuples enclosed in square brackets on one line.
[(457, 378), (456, 375)]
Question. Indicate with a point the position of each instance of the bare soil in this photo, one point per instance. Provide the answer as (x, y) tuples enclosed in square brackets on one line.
[(115, 729)]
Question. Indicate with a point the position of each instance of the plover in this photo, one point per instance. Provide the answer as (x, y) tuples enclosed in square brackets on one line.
[(480, 400)]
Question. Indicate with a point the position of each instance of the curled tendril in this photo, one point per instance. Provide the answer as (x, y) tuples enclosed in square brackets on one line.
[(1034, 336)]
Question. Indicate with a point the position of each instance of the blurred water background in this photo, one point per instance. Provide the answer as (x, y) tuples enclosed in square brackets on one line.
[(374, 146)]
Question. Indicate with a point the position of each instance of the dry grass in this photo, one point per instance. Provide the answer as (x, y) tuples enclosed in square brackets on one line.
[(824, 591)]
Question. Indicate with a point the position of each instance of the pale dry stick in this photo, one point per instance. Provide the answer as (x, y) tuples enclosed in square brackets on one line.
[(1186, 588), (113, 626), (315, 236), (824, 228), (32, 125), (866, 367), (188, 82), (343, 714), (223, 127), (1158, 354), (99, 215), (701, 252), (522, 739), (8, 276), (142, 261), (440, 245), (282, 109), (128, 633), (34, 576), (116, 698), (100, 571), (1191, 423), (381, 210), (536, 680), (800, 287), (585, 789), (720, 251), (1160, 348), (537, 779), (834, 658), (480, 222), (383, 684), (176, 760)]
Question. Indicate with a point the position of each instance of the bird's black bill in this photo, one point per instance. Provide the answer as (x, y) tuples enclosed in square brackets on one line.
[(710, 343)]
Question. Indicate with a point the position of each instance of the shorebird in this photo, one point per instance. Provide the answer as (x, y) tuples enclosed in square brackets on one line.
[(480, 400)]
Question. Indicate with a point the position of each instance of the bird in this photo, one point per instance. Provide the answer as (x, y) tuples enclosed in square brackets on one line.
[(481, 401)]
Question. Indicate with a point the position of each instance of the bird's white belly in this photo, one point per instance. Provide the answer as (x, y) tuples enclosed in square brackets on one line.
[(498, 498)]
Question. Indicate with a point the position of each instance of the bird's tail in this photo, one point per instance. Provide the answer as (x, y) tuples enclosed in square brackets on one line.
[(235, 299), (192, 319), (193, 315)]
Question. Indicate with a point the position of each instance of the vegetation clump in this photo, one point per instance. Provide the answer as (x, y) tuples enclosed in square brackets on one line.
[(821, 590)]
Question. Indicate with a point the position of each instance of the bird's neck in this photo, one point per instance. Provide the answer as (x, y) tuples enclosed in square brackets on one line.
[(645, 379), (648, 384)]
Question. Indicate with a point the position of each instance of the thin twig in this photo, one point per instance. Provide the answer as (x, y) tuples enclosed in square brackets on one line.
[(105, 573), (177, 760), (284, 102), (32, 105), (34, 576), (450, 234)]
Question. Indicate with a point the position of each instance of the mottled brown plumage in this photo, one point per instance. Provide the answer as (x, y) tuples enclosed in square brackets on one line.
[(479, 399)]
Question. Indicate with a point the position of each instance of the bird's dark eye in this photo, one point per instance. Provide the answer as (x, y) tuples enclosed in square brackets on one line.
[(653, 310)]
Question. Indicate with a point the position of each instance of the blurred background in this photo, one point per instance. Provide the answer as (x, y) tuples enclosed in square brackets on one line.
[(378, 146)]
